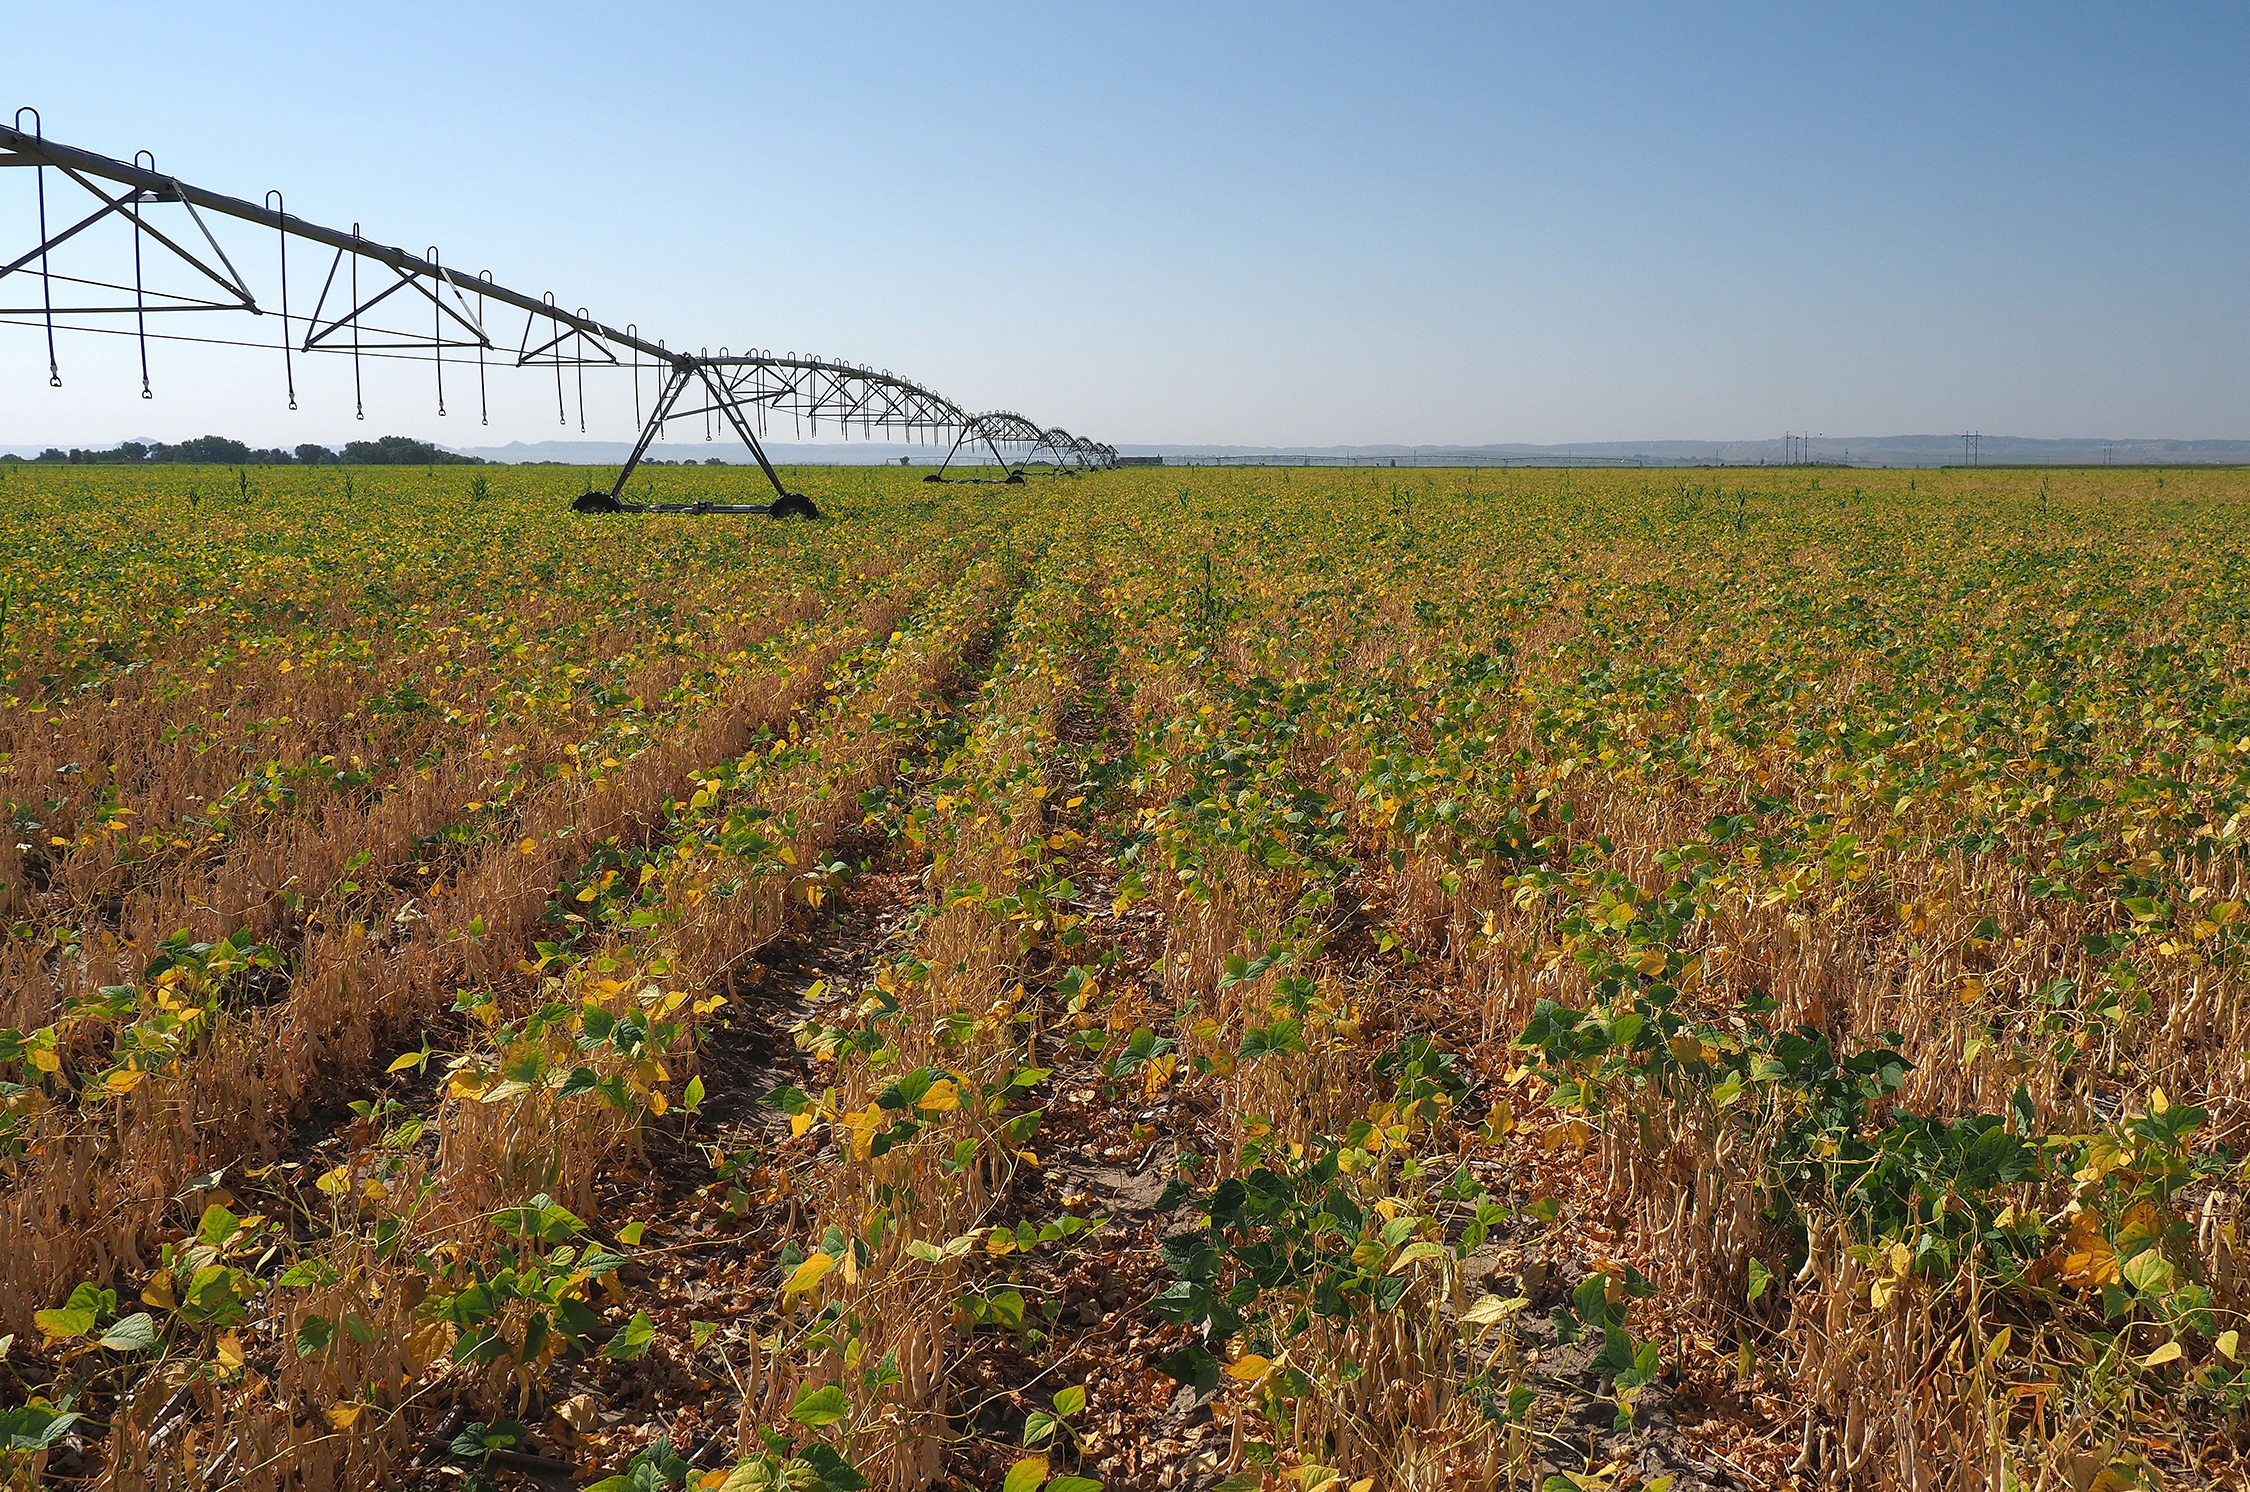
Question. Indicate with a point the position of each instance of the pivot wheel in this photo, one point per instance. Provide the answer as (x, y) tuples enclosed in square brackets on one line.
[(595, 502), (794, 505)]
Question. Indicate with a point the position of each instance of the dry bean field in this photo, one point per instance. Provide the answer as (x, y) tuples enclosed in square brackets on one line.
[(1275, 979)]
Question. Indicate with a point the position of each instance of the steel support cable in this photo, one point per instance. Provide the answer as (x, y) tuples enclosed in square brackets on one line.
[(374, 353), (437, 339), (581, 361), (359, 400), (484, 407), (562, 417), (46, 290), (140, 301), (288, 368)]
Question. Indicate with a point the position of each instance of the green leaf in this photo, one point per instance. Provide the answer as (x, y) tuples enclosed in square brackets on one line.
[(1760, 1277), (836, 1474), (308, 1272), (1025, 1475), (477, 1439), (818, 1407), (34, 1427), (88, 1298), (2149, 1272), (1070, 1400), (1074, 1484), (216, 1227), (314, 1333), (132, 1334), (634, 1340)]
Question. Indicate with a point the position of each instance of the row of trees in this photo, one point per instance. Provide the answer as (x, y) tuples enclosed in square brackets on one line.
[(218, 450)]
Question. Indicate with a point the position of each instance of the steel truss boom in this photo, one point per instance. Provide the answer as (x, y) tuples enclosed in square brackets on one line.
[(746, 391)]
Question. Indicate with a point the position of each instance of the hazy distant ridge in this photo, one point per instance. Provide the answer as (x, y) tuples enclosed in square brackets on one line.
[(1858, 450)]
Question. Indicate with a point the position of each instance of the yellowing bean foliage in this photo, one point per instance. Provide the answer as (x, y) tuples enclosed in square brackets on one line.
[(1756, 954)]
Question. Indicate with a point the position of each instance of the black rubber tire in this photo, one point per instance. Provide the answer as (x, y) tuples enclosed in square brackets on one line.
[(795, 505), (595, 502)]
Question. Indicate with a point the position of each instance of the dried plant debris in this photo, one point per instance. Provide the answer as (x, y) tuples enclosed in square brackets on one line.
[(1164, 980)]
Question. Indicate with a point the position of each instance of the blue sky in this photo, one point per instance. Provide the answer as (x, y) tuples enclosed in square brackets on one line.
[(1289, 225)]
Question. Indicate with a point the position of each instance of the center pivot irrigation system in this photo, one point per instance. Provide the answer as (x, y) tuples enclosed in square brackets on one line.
[(414, 308)]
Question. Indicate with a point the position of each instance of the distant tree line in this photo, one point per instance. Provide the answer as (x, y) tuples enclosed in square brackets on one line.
[(217, 450)]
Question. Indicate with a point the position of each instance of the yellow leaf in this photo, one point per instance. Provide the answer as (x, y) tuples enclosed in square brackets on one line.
[(801, 1121), (123, 1080), (2087, 1259), (528, 847), (469, 1083), (344, 1416), (46, 1059), (1414, 1253), (400, 1064), (228, 1352), (2169, 1352), (429, 1342), (943, 1097), (158, 1291), (2157, 1102), (2229, 1343), (1902, 1259), (1879, 1292), (1571, 1134), (1492, 1309), (336, 1182), (808, 1274), (863, 1126), (1249, 1368)]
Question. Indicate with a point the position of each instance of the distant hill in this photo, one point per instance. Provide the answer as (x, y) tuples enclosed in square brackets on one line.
[(1852, 450), (1849, 450)]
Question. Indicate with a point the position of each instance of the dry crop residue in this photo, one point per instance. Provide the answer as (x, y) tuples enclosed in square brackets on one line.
[(1166, 979)]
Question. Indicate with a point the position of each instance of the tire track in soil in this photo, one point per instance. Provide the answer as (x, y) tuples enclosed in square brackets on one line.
[(702, 1260), (1106, 1153)]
